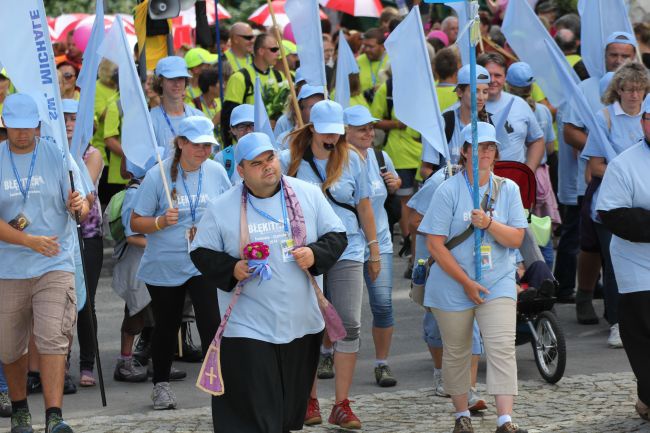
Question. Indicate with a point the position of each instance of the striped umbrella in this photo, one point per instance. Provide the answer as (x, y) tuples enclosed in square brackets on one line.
[(61, 25), (262, 16), (188, 16), (357, 8)]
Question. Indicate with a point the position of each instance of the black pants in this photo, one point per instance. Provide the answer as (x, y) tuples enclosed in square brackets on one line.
[(267, 385), (93, 252), (610, 287), (167, 305), (635, 332), (566, 261)]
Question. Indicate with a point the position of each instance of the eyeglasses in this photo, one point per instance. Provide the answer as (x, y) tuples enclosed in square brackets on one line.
[(244, 126), (68, 76), (247, 37), (273, 49), (485, 147), (640, 90)]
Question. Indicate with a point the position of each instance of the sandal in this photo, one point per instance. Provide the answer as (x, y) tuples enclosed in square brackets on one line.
[(87, 378), (642, 410)]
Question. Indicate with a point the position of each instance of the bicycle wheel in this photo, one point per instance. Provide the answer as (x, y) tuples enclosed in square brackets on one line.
[(549, 347)]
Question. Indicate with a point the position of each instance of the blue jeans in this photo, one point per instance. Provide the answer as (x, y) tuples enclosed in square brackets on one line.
[(547, 252), (431, 334), (380, 293), (3, 381)]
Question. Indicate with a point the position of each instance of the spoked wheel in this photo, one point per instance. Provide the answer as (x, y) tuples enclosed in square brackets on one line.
[(550, 347)]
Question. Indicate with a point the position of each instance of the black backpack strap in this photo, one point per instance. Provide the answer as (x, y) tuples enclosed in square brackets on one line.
[(381, 162), (309, 157), (450, 123), (277, 75), (248, 84), (389, 97)]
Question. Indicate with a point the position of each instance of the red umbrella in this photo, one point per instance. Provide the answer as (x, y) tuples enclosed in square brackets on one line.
[(357, 8), (262, 16), (61, 25), (188, 16)]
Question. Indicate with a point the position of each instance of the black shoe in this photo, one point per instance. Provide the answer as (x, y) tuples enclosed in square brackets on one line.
[(406, 247), (68, 385), (191, 353), (142, 350), (548, 288), (34, 385)]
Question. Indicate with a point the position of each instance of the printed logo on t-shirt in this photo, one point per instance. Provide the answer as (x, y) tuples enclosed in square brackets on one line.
[(11, 186)]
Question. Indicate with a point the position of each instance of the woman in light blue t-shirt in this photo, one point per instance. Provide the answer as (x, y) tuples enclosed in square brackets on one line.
[(452, 291), (320, 155), (166, 267)]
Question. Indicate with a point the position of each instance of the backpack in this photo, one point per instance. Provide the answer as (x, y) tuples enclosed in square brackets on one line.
[(113, 215), (229, 160), (392, 204), (248, 82)]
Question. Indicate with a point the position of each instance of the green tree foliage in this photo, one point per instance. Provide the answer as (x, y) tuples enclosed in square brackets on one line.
[(55, 8)]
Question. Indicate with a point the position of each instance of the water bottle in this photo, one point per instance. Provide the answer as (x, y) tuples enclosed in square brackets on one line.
[(418, 281), (420, 272)]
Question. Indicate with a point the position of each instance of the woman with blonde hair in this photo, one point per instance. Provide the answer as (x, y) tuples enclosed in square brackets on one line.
[(318, 153)]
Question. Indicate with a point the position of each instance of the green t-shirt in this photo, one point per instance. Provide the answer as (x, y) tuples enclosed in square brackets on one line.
[(369, 72), (403, 145), (103, 97), (236, 87), (358, 99), (112, 126), (236, 63), (191, 93), (446, 96)]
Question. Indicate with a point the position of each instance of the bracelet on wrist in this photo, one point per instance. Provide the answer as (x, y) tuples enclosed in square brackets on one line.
[(155, 221), (378, 259), (375, 241), (489, 224)]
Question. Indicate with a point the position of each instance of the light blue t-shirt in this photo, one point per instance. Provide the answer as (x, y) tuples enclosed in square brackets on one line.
[(164, 134), (283, 124), (130, 200), (350, 188), (44, 208), (522, 127), (567, 166), (378, 194), (626, 185), (591, 89), (420, 203), (284, 308), (166, 260), (624, 132), (449, 215), (282, 140), (234, 177)]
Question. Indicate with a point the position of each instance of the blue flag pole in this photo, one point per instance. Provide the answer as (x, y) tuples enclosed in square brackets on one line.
[(475, 187), (218, 31)]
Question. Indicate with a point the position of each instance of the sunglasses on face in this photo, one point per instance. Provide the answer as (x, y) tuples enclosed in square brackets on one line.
[(68, 76), (273, 49), (247, 37)]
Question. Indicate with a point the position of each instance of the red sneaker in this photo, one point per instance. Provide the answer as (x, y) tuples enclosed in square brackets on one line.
[(343, 416), (312, 417)]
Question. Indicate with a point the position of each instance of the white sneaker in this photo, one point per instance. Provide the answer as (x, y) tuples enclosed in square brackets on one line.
[(474, 401), (438, 384), (614, 339), (163, 397)]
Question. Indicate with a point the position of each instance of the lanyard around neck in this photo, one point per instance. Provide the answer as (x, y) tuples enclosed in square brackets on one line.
[(194, 204), (169, 123), (263, 214), (373, 74), (24, 190), (471, 194)]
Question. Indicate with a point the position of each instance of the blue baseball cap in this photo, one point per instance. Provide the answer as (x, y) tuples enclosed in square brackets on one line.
[(358, 115), (308, 90), (603, 84), (482, 75), (520, 74), (244, 113), (327, 117), (20, 111), (485, 132), (621, 38), (69, 106), (252, 145), (136, 171), (646, 104), (172, 67), (299, 77), (197, 129)]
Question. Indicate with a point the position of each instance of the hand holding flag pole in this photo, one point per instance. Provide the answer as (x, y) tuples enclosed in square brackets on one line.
[(285, 65)]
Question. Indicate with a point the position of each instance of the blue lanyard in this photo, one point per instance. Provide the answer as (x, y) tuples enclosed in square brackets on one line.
[(269, 217), (203, 104), (24, 190), (193, 205), (237, 61), (373, 75), (169, 123), (471, 194)]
